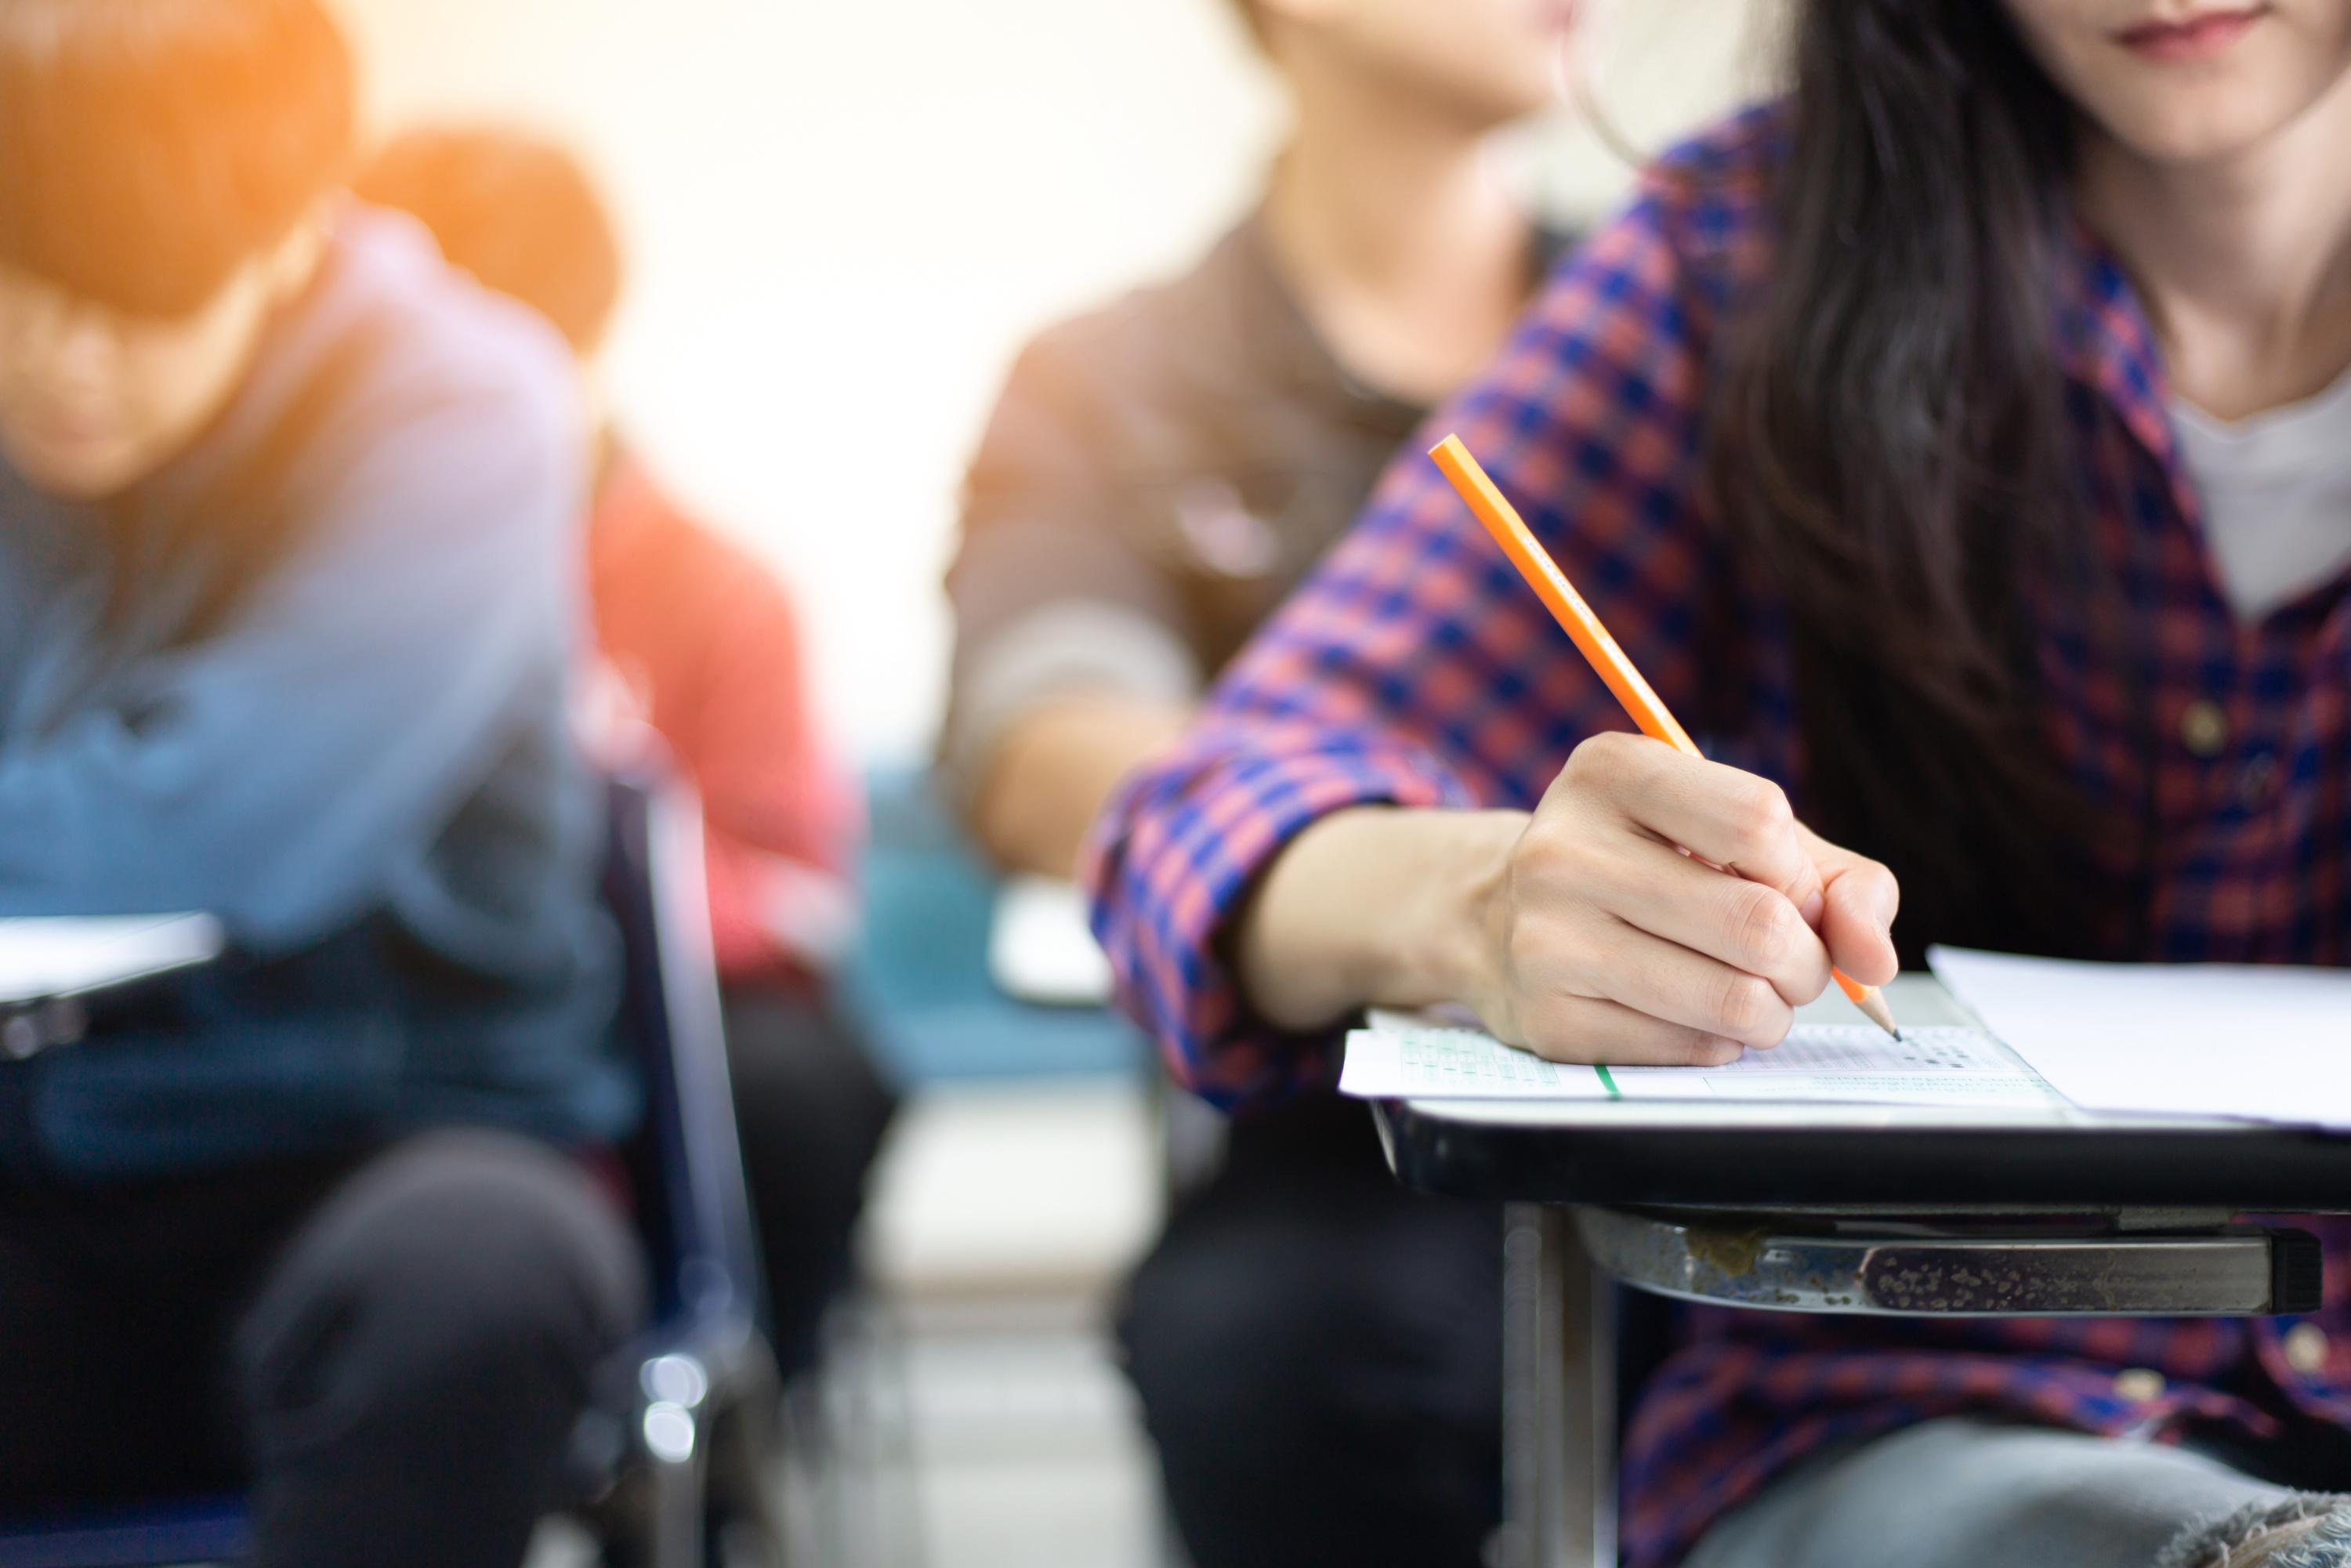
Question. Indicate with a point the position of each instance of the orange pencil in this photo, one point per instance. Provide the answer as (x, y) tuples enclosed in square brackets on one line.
[(1592, 639)]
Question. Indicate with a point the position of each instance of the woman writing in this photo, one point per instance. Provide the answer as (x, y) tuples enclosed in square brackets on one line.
[(1963, 450)]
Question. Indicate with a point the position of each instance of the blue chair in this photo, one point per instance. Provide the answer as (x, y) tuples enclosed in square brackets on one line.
[(688, 1403), (918, 980)]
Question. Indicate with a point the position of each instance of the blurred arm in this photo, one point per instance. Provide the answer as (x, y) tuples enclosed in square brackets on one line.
[(1072, 661), (1054, 768)]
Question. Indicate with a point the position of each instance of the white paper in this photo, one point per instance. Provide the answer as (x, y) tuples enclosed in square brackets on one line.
[(42, 959), (2259, 1042), (1039, 948), (1400, 1058)]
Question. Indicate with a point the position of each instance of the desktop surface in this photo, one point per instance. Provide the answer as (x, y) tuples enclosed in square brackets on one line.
[(1744, 1155)]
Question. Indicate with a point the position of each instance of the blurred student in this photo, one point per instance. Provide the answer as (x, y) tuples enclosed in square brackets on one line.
[(1156, 477), (1963, 448), (287, 521), (706, 641)]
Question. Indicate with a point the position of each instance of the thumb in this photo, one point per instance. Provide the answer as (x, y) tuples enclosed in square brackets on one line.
[(1860, 900)]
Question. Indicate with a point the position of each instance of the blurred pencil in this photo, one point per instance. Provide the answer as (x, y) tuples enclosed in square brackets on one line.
[(1592, 639)]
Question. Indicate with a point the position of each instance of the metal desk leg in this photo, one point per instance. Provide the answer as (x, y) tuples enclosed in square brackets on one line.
[(1558, 1398)]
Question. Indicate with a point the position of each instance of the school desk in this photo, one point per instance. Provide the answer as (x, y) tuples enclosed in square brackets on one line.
[(1839, 1209), (53, 972)]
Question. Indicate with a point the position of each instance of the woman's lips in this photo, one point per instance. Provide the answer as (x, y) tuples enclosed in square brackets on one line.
[(2198, 38)]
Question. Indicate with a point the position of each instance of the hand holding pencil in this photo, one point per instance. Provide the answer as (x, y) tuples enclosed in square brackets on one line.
[(1620, 837)]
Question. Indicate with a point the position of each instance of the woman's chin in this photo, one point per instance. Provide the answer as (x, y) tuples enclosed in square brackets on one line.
[(75, 471)]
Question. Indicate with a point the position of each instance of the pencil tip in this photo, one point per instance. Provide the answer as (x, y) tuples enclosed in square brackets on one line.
[(1873, 1006)]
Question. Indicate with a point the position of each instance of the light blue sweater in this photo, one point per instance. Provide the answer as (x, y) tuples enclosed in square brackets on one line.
[(310, 678)]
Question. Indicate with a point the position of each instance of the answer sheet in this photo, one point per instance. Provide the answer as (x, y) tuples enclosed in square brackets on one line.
[(1402, 1058), (2257, 1042)]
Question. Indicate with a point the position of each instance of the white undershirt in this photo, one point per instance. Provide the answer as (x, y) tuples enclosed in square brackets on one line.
[(2277, 496)]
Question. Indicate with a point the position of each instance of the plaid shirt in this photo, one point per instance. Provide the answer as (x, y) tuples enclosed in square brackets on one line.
[(1414, 668)]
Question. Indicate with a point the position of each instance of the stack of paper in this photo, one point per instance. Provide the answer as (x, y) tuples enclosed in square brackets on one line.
[(2261, 1042)]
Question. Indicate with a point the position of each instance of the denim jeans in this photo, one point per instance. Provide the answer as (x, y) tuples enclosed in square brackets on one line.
[(1963, 1493)]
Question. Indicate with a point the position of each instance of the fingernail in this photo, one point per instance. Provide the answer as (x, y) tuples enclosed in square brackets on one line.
[(1812, 906)]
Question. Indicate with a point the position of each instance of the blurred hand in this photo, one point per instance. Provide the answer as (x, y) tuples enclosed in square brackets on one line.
[(1603, 941)]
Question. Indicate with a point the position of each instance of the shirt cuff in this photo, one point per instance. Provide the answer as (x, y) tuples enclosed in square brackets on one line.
[(1172, 860)]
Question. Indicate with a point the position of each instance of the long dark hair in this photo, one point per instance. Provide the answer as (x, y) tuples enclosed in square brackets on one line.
[(1890, 441)]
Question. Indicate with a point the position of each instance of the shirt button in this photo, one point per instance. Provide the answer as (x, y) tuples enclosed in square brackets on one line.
[(2203, 727), (2307, 1349), (2139, 1385), (2259, 774)]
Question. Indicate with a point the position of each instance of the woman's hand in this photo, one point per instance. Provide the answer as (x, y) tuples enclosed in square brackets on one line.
[(1603, 942)]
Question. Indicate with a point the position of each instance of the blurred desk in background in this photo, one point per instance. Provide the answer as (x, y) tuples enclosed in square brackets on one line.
[(53, 971), (1040, 949)]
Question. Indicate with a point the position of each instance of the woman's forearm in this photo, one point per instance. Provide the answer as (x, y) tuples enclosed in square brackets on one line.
[(1374, 906)]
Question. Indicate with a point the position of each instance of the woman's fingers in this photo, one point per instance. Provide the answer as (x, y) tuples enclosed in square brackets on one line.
[(1742, 924), (1594, 1030), (1861, 900), (1610, 944), (1668, 981), (1734, 818)]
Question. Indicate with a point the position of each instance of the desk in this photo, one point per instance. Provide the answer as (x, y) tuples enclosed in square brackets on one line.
[(1711, 1155), (1739, 1172), (53, 971)]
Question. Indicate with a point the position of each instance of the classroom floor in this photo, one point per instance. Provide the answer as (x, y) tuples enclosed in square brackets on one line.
[(999, 1430), (990, 1440)]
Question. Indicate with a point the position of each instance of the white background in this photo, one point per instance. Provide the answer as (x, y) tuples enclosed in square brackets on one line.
[(843, 219)]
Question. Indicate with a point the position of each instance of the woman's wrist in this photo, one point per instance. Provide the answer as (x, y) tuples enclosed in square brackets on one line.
[(1375, 906), (1454, 866)]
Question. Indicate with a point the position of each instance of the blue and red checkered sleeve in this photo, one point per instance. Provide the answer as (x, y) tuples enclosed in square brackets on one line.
[(1414, 668)]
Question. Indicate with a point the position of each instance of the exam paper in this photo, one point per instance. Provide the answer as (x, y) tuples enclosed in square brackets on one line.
[(1406, 1059), (2259, 1042), (42, 959)]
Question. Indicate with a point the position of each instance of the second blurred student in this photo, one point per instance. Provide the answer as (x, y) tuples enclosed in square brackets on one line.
[(706, 643), (1157, 476)]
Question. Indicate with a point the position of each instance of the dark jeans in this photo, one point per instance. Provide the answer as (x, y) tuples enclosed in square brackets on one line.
[(811, 1108), (392, 1350), (1319, 1355)]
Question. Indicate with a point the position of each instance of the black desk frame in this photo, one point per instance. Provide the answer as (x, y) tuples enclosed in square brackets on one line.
[(1651, 1198)]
